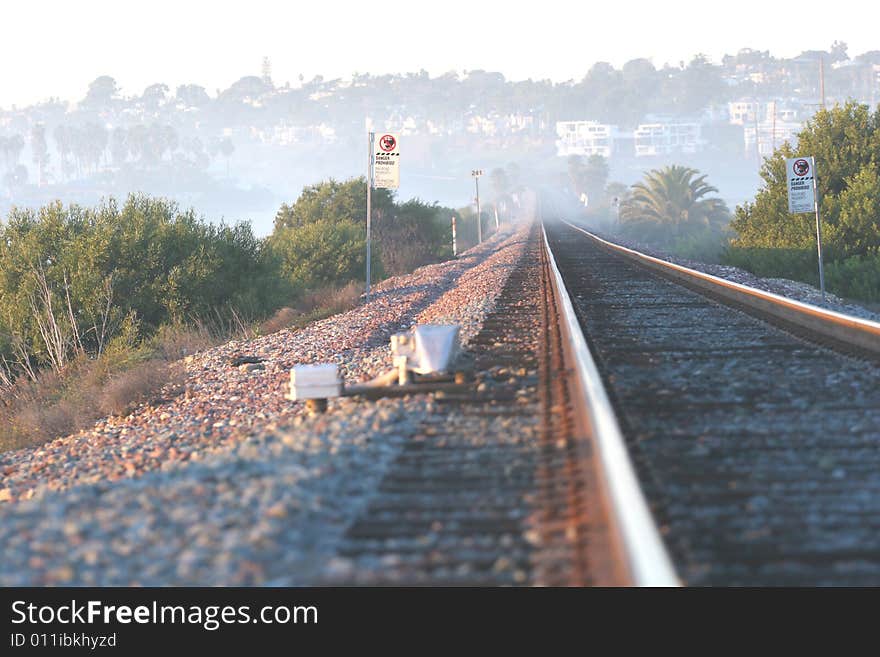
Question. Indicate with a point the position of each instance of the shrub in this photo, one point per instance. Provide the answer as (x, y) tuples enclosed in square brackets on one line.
[(85, 272), (138, 384), (320, 254), (323, 302), (856, 277), (283, 318), (797, 264)]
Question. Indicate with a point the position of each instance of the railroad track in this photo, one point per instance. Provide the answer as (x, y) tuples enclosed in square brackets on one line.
[(754, 424), (502, 484)]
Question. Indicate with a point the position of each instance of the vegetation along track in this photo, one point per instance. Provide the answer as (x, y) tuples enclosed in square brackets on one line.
[(497, 487), (758, 450)]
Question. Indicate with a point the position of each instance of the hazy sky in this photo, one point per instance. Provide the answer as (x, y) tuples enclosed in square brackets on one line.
[(56, 47)]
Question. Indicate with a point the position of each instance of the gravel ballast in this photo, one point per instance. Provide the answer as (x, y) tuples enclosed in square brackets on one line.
[(230, 483)]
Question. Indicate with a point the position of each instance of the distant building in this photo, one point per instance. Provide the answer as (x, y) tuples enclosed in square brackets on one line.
[(744, 111), (770, 136), (585, 138), (747, 111), (667, 138), (266, 72)]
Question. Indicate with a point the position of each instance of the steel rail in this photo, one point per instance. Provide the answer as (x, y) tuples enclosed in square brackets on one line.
[(840, 328), (645, 554)]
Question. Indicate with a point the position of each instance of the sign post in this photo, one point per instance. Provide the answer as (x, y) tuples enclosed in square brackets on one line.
[(383, 172), (476, 173), (454, 241), (803, 196), (370, 140)]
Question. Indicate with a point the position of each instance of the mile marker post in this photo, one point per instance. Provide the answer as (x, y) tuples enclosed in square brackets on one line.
[(454, 243), (476, 173)]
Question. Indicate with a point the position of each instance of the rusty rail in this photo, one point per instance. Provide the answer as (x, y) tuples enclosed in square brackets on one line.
[(839, 329), (633, 526)]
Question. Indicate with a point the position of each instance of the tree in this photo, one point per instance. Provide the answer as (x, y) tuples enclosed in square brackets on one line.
[(499, 182), (320, 254), (249, 86), (63, 143), (70, 276), (588, 178), (16, 178), (101, 94), (227, 148), (334, 201), (154, 96), (838, 52), (11, 147), (413, 234), (39, 150), (119, 146), (845, 141), (192, 95), (672, 203)]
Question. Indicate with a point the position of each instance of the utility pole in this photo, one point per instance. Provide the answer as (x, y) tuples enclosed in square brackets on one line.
[(476, 173), (757, 133), (822, 82), (370, 140)]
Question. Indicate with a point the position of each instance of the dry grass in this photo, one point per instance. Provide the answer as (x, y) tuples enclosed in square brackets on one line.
[(331, 299), (282, 319), (115, 383), (123, 392), (32, 413), (314, 305), (36, 422), (128, 375), (175, 342)]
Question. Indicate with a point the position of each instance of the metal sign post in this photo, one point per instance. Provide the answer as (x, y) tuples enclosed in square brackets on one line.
[(819, 235), (370, 146), (454, 242), (476, 173), (803, 197), (383, 172)]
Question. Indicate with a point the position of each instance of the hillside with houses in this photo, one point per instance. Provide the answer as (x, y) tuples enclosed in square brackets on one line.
[(239, 152)]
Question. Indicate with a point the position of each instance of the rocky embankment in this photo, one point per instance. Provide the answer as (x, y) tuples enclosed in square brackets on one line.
[(229, 483)]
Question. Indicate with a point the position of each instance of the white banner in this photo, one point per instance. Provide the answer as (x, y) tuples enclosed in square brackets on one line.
[(386, 161), (799, 174)]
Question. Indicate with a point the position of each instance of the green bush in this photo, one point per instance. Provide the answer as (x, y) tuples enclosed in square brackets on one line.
[(845, 140), (856, 277), (796, 264), (705, 246), (71, 277), (319, 254)]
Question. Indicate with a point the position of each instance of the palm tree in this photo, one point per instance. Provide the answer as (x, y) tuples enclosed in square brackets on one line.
[(672, 202), (62, 141)]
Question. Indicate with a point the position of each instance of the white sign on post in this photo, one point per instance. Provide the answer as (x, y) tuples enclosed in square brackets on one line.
[(799, 174), (386, 161)]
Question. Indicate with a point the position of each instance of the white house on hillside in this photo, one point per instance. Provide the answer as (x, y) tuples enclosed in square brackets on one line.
[(585, 138), (667, 138)]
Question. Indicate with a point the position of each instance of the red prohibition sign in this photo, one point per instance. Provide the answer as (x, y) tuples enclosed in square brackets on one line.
[(801, 167), (387, 143)]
